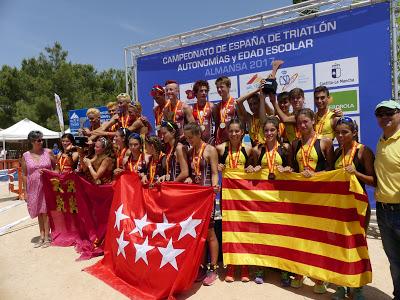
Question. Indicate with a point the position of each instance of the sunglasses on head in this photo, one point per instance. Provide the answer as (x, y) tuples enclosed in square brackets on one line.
[(345, 120), (135, 136), (167, 124), (389, 113)]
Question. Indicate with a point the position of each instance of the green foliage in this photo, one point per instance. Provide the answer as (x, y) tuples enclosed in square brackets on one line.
[(28, 91)]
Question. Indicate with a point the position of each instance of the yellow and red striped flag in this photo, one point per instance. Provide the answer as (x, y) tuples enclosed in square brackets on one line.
[(309, 226)]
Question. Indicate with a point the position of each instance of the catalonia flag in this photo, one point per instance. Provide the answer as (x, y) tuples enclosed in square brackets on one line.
[(309, 226)]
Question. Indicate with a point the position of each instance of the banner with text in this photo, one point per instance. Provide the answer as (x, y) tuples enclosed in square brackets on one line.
[(343, 51)]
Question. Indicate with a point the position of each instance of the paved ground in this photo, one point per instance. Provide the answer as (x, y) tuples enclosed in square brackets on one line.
[(53, 273)]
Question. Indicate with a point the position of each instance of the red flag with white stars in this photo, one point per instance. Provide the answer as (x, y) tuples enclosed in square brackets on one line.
[(155, 238)]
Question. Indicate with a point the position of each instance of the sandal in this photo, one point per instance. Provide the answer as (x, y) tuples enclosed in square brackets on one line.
[(39, 243), (46, 243)]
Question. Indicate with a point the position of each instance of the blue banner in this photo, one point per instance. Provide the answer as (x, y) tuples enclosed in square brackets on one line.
[(77, 118), (349, 52)]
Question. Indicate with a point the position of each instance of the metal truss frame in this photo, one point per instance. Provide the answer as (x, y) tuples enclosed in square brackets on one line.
[(284, 15)]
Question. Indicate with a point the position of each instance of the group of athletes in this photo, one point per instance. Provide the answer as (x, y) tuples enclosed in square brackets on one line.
[(193, 143)]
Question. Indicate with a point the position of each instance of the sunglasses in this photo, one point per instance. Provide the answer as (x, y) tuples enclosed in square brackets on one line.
[(38, 140), (167, 124), (135, 136), (389, 113), (345, 120)]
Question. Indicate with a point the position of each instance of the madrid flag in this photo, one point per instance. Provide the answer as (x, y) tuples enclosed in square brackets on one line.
[(155, 238)]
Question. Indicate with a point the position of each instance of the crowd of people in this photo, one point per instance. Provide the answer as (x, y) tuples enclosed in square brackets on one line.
[(192, 144)]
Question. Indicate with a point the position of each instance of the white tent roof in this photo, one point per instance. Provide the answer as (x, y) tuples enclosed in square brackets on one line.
[(20, 130)]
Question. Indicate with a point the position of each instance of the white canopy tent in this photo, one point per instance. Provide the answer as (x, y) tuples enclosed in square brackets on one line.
[(20, 130)]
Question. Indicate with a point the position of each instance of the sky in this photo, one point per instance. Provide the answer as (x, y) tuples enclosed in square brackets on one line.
[(96, 32)]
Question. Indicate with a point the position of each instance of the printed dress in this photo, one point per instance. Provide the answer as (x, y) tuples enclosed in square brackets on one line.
[(34, 192)]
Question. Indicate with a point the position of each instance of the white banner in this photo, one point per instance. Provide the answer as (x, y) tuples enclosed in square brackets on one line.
[(59, 112)]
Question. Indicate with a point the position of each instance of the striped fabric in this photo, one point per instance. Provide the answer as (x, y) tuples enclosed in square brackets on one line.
[(313, 227)]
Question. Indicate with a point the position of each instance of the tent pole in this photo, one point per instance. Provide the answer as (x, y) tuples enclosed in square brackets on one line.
[(4, 148)]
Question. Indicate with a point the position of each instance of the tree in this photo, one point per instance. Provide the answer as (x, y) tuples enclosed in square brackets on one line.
[(28, 91)]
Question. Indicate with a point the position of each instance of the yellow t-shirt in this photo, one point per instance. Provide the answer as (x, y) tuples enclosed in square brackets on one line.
[(323, 126), (387, 169)]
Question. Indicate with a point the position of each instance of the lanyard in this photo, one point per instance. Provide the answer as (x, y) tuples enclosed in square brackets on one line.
[(306, 154), (62, 162), (159, 112), (271, 157), (121, 157), (177, 105), (233, 162), (201, 114), (197, 158), (135, 166), (153, 167), (352, 153), (321, 123), (168, 159), (224, 110), (125, 121)]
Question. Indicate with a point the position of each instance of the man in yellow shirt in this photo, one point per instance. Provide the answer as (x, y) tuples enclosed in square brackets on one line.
[(387, 193), (325, 119)]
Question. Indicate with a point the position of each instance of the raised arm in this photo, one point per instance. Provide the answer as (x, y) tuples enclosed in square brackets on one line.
[(241, 109)]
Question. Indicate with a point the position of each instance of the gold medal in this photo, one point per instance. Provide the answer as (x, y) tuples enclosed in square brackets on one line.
[(271, 176)]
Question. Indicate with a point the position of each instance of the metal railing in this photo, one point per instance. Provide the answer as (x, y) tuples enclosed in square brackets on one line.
[(266, 19)]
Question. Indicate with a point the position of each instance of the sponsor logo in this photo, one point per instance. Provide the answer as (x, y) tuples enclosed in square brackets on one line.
[(74, 116), (286, 80), (254, 79), (346, 100), (336, 71)]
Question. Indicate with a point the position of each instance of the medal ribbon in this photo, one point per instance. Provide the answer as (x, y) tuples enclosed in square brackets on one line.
[(153, 167), (124, 121), (168, 159), (178, 104), (121, 157), (233, 162), (320, 124), (135, 166), (222, 116), (197, 159), (159, 113), (271, 157), (201, 116), (306, 155), (352, 153), (61, 162)]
